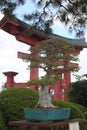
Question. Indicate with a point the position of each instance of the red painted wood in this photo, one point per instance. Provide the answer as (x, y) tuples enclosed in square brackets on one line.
[(25, 39), (67, 77), (10, 78), (23, 55), (58, 95)]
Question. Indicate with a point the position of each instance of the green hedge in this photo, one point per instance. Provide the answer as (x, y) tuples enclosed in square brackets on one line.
[(85, 114), (14, 100), (2, 122), (76, 113), (82, 108)]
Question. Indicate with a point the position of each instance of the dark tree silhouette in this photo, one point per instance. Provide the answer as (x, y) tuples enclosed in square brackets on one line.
[(78, 92), (72, 13)]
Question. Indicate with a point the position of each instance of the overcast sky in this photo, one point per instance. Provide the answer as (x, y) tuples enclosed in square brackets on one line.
[(8, 54)]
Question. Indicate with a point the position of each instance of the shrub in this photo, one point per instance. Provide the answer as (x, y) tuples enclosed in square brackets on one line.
[(14, 100), (75, 111), (2, 122), (77, 92), (82, 108), (85, 114)]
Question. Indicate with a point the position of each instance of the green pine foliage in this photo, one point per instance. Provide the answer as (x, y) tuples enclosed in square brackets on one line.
[(73, 13), (8, 6), (51, 56)]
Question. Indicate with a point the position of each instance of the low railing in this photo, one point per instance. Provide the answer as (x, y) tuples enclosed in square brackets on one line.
[(56, 125)]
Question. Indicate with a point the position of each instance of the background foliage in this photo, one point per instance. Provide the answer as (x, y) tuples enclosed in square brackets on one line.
[(72, 13), (14, 100), (78, 92)]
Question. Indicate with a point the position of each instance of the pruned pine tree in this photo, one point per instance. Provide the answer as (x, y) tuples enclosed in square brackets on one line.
[(53, 56)]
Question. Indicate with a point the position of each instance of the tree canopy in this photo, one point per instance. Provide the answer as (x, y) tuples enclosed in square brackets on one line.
[(78, 92), (72, 13), (8, 6), (54, 57)]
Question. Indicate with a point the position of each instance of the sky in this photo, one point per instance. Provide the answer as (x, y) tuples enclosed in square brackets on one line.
[(9, 47)]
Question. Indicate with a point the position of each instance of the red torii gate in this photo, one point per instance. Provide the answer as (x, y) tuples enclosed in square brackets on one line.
[(18, 28)]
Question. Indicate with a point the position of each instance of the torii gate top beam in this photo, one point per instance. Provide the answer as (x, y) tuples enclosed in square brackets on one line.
[(18, 28)]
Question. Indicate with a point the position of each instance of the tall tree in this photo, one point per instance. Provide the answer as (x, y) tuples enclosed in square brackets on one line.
[(71, 12), (8, 6), (52, 56)]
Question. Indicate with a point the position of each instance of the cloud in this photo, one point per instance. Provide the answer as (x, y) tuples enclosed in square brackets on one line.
[(86, 36), (9, 61), (1, 16)]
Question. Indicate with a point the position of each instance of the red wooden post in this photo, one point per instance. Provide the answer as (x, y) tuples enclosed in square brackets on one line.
[(58, 93), (33, 71)]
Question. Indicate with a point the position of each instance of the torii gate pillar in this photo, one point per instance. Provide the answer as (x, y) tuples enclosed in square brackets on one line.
[(33, 75), (33, 71)]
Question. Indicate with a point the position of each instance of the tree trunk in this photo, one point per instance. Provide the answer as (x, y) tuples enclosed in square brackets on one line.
[(45, 100)]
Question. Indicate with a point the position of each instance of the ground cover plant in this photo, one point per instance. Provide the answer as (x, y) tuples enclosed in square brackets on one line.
[(14, 100)]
